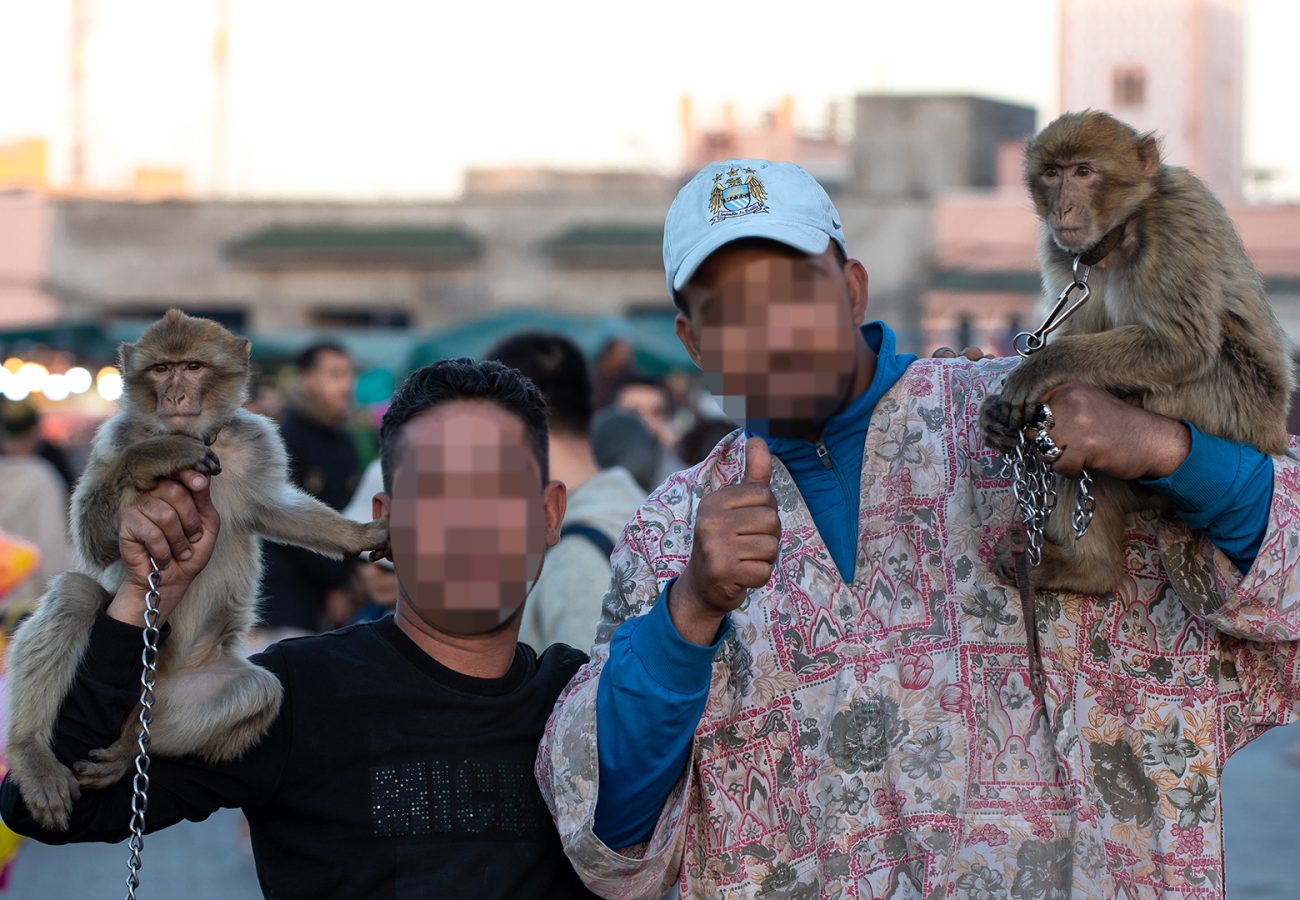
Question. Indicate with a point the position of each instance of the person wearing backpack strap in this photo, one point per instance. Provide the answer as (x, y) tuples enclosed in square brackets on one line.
[(564, 605)]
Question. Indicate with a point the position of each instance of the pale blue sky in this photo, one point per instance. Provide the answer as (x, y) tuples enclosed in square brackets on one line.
[(396, 97)]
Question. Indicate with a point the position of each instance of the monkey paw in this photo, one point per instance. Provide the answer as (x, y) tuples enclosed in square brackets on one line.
[(163, 456), (376, 536), (104, 767), (49, 795), (997, 424)]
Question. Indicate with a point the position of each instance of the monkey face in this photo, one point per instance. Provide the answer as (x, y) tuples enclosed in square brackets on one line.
[(775, 329), (1088, 172), (185, 375), (178, 387), (1071, 188), (469, 517)]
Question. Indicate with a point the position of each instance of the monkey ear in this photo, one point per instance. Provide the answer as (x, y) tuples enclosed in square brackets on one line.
[(125, 352), (1149, 154), (245, 348)]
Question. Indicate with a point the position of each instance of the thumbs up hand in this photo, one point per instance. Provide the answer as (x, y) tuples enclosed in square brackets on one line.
[(737, 535)]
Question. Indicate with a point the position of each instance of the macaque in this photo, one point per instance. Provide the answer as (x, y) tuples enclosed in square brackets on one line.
[(1177, 324), (184, 382)]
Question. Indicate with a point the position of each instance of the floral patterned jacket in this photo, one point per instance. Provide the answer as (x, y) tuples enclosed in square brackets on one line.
[(879, 739)]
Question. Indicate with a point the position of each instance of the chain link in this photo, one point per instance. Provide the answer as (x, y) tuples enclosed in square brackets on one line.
[(148, 676), (1030, 342), (1033, 481)]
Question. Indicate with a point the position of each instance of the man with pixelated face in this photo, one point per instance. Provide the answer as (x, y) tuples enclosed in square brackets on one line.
[(401, 763), (809, 682)]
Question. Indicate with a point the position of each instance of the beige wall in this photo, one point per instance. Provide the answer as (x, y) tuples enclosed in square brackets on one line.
[(24, 244)]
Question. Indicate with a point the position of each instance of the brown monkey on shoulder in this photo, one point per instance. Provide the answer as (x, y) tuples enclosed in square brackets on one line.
[(1177, 324), (184, 382)]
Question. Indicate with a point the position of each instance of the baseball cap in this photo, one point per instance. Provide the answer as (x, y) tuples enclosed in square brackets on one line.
[(746, 198)]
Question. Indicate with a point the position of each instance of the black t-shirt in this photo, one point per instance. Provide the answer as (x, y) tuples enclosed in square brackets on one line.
[(386, 775)]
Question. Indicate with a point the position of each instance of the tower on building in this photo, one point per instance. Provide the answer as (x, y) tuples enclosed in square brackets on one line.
[(1172, 66)]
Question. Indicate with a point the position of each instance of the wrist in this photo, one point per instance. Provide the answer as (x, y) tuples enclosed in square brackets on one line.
[(1171, 441), (694, 621), (128, 605)]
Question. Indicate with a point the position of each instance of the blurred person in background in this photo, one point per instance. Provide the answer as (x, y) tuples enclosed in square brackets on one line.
[(614, 362), (23, 437), (378, 578), (620, 438), (304, 592), (564, 605), (703, 436), (651, 399), (264, 398), (33, 506)]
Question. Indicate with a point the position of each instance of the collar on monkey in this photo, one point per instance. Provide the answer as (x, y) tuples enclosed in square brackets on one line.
[(1109, 241)]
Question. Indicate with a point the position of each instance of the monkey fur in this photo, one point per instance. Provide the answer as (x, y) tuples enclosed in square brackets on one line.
[(1177, 323), (184, 382)]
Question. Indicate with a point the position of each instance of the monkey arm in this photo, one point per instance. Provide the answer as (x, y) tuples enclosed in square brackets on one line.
[(1127, 359), (103, 695), (296, 518), (94, 516)]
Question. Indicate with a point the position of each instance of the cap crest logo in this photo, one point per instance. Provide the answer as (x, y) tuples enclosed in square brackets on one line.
[(736, 192)]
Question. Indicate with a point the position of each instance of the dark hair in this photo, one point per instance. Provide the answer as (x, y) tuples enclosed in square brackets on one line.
[(556, 365), (637, 379), (704, 435), (308, 358), (840, 257), (462, 379)]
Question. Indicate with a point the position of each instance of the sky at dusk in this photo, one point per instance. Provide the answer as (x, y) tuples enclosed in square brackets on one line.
[(397, 97)]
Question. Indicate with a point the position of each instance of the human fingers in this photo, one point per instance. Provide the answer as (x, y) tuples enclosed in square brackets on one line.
[(757, 548), (140, 536), (180, 494), (745, 494), (762, 520), (758, 462)]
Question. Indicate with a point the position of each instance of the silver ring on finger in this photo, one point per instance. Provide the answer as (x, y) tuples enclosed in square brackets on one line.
[(1043, 418), (1046, 448)]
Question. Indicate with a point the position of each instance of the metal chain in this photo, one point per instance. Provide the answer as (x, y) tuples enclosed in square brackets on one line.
[(1029, 342), (1034, 485), (1033, 479), (148, 676)]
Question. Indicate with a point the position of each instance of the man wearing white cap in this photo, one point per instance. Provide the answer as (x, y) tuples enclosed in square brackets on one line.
[(819, 688)]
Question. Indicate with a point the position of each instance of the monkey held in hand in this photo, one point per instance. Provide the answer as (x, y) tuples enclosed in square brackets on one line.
[(184, 382), (1177, 323)]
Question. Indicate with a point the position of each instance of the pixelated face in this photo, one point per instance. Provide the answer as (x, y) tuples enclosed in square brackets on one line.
[(775, 329), (468, 519)]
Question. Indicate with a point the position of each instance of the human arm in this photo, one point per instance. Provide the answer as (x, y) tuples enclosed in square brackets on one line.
[(652, 693), (178, 527), (102, 697), (722, 536), (1219, 487)]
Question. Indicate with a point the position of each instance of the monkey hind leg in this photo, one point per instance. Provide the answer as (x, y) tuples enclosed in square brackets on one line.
[(106, 765), (216, 711), (1093, 564), (42, 665)]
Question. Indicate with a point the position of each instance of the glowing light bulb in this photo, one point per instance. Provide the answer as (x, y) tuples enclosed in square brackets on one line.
[(33, 376), (56, 388), (110, 385), (78, 380)]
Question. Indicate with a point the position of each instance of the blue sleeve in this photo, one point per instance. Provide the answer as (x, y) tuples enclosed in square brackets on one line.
[(1224, 489), (650, 698)]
